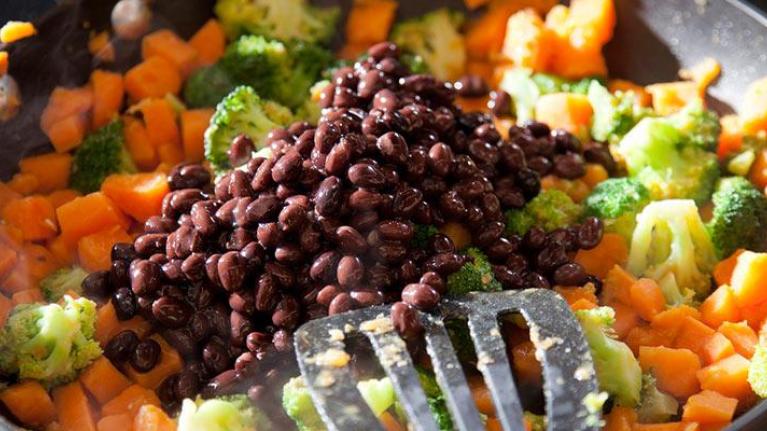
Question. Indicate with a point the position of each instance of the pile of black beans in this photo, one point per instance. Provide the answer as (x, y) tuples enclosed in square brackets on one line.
[(325, 225)]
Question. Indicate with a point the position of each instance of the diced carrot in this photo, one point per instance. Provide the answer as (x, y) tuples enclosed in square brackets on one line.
[(572, 294), (103, 381), (526, 366), (592, 23), (37, 261), (14, 31), (484, 35), (170, 154), (727, 376), (713, 427), (143, 153), (528, 43), (611, 251), (481, 395), (670, 97), (138, 195), (89, 214), (647, 298), (715, 348), (11, 236), (121, 422), (34, 216), (572, 62), (108, 94), (194, 122), (621, 85), (646, 336), (693, 335), (753, 110), (130, 401), (709, 407), (160, 121), (3, 62), (166, 44), (68, 134), (7, 195), (731, 136), (369, 21), (23, 184), (595, 174), (617, 285), (703, 73), (30, 403), (668, 426), (720, 307), (93, 250), (51, 170), (758, 172), (626, 319), (155, 77), (748, 279), (107, 324), (5, 308), (209, 42), (741, 335), (73, 411), (60, 197), (620, 419), (64, 251), (674, 369), (568, 111), (670, 321), (28, 296), (8, 259), (576, 189), (583, 304), (153, 418), (390, 423), (754, 314), (723, 270), (64, 103), (16, 281), (170, 363)]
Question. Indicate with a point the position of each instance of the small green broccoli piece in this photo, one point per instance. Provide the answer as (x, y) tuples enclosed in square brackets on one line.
[(460, 336), (617, 201), (757, 371), (655, 406), (671, 245), (242, 111), (422, 233), (550, 210), (436, 400), (614, 114), (474, 276), (207, 86), (51, 342), (435, 37), (700, 127), (739, 217), (656, 154), (278, 19), (618, 371), (230, 413), (101, 154), (55, 285)]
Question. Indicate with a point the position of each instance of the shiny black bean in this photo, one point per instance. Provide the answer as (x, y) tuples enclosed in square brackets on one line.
[(121, 346), (145, 356)]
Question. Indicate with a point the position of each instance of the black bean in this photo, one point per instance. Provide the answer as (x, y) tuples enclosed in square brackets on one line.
[(171, 312), (350, 271), (590, 233), (393, 148), (232, 271), (328, 197), (340, 304), (405, 320), (421, 296), (215, 357), (188, 176), (145, 356), (97, 285), (121, 346)]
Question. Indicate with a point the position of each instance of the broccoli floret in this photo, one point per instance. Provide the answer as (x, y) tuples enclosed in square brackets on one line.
[(231, 413), (655, 406), (436, 400), (461, 339), (436, 39), (550, 210), (422, 233), (617, 201), (207, 86), (50, 342), (739, 218), (656, 154), (242, 111), (618, 371), (101, 154), (278, 19), (474, 276), (670, 244), (757, 371), (61, 281), (614, 115), (700, 127)]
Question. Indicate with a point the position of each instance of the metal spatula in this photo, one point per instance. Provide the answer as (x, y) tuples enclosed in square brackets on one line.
[(568, 369)]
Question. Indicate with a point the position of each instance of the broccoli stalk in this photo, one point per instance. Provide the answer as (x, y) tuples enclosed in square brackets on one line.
[(474, 276), (242, 111), (50, 343), (739, 217), (436, 39), (550, 210), (208, 86), (670, 244), (101, 154), (655, 406), (614, 115), (62, 281), (278, 19), (617, 201), (232, 413), (618, 371)]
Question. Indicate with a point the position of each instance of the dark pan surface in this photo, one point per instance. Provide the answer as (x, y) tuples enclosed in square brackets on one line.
[(655, 38)]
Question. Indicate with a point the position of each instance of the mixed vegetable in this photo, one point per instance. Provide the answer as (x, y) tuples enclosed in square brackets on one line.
[(138, 293)]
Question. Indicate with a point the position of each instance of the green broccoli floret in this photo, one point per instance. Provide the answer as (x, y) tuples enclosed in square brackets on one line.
[(757, 371), (207, 86), (422, 233), (671, 245), (614, 114), (101, 154), (61, 281), (436, 400), (656, 154), (474, 276), (435, 37), (278, 19), (617, 201), (700, 127), (655, 406), (230, 413), (550, 210), (50, 342), (618, 371), (242, 111), (298, 404), (415, 63), (461, 339), (739, 218)]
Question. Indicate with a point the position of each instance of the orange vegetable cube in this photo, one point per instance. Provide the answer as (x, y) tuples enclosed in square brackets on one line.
[(170, 363), (64, 103), (194, 122), (709, 407), (63, 251), (67, 134), (369, 21), (107, 324), (23, 184), (155, 77), (14, 31), (758, 172), (166, 44), (720, 307), (611, 251), (741, 335), (528, 42), (674, 369), (8, 259), (715, 348), (693, 335), (138, 195), (121, 422), (593, 22), (670, 97), (94, 250), (51, 170), (646, 336), (7, 194), (103, 381), (143, 153), (620, 419), (647, 298), (748, 279), (626, 319), (34, 216), (60, 197), (130, 401), (108, 95), (28, 296), (727, 376), (209, 42), (617, 285), (73, 410), (89, 214), (30, 403), (670, 321), (153, 418), (723, 270), (160, 121), (526, 365), (568, 111), (3, 62)]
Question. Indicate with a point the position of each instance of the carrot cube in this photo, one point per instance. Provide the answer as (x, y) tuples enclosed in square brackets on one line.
[(30, 403), (741, 335), (103, 381), (138, 195), (121, 422), (693, 335), (130, 401), (166, 44), (715, 348), (94, 250), (193, 125), (73, 410), (108, 95), (727, 376), (674, 369), (155, 77), (51, 170), (709, 407), (87, 215), (170, 363), (720, 307), (34, 216), (209, 42)]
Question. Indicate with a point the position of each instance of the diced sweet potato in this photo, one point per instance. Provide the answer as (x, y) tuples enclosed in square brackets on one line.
[(155, 77), (166, 44), (73, 411), (35, 216), (130, 401), (89, 214), (103, 381), (30, 403), (194, 122), (138, 195), (51, 170), (108, 94), (94, 250), (209, 42)]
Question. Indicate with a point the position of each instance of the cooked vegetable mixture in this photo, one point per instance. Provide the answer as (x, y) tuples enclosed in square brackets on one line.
[(201, 205)]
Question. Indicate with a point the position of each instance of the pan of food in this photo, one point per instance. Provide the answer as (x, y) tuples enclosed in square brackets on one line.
[(382, 215)]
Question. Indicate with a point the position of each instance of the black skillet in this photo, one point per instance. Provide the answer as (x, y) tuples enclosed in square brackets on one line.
[(654, 39)]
